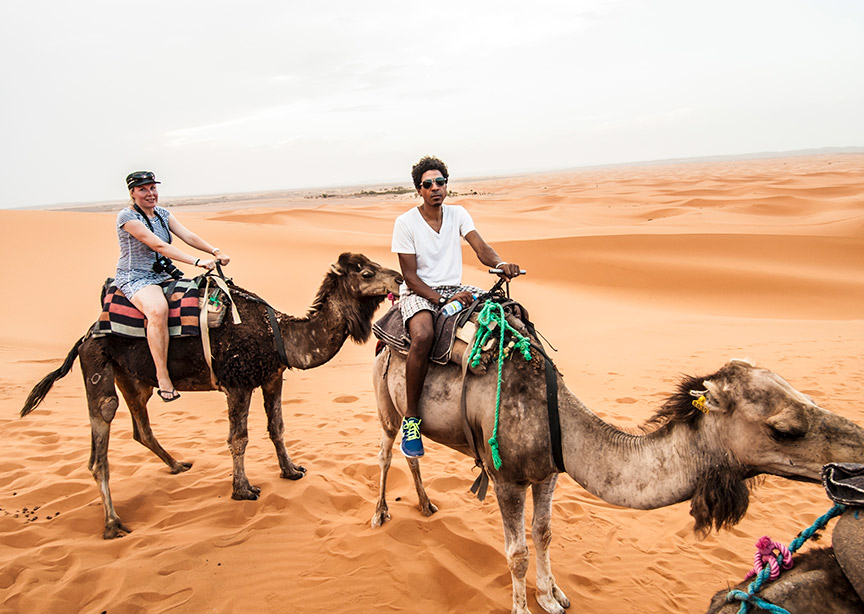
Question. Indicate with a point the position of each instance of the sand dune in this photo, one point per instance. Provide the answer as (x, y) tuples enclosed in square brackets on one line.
[(636, 274)]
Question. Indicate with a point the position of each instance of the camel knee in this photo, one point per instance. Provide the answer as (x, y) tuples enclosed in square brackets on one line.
[(517, 561), (237, 445), (108, 408)]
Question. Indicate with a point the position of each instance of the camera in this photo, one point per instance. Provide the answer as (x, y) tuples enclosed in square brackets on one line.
[(164, 265)]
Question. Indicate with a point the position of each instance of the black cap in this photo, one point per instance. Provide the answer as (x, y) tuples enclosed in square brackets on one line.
[(140, 178)]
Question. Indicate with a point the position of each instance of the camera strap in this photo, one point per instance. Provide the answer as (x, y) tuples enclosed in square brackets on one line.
[(149, 225)]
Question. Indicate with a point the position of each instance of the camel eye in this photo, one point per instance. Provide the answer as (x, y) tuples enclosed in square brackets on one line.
[(368, 274), (786, 433)]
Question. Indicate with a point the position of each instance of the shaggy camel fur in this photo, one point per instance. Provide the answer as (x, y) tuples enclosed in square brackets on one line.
[(244, 358), (818, 583), (756, 423)]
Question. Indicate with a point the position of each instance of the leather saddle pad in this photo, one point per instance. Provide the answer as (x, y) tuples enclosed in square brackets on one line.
[(391, 330)]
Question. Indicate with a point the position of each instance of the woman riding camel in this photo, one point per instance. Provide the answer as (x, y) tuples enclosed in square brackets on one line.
[(145, 231)]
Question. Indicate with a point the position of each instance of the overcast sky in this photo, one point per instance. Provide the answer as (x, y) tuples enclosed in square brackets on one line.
[(234, 96)]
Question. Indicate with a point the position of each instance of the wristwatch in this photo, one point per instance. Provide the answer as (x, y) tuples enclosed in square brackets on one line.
[(441, 301)]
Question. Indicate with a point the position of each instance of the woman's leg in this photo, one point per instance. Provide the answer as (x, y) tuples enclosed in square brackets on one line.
[(152, 303)]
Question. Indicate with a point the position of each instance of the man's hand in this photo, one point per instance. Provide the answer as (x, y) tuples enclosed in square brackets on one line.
[(464, 297), (509, 271)]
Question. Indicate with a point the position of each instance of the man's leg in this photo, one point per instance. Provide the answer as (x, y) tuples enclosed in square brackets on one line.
[(422, 334)]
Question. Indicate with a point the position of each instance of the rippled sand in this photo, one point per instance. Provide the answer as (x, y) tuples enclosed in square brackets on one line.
[(636, 274)]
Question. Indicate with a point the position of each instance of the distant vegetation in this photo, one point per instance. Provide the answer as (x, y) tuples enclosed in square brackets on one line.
[(395, 190)]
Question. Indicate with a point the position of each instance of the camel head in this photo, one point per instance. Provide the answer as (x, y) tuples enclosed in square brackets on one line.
[(754, 422), (358, 286)]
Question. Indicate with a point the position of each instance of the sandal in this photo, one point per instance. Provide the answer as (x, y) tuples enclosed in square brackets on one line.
[(168, 395)]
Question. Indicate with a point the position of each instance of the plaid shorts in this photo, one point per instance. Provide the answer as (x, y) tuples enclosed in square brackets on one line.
[(411, 304)]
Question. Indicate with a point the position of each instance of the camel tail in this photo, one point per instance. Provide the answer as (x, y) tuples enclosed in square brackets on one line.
[(41, 389)]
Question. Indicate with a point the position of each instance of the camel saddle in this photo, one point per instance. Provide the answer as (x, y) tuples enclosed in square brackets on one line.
[(844, 483), (454, 338), (453, 335), (186, 299), (194, 306)]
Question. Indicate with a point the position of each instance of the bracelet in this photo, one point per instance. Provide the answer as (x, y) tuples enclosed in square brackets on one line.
[(196, 262), (215, 249), (498, 266)]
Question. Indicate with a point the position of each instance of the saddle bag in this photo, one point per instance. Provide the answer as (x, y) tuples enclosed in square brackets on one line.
[(214, 300)]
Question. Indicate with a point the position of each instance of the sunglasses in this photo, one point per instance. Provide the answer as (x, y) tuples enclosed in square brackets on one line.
[(439, 181)]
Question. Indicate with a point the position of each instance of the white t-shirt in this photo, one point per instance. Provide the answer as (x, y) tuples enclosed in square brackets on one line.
[(439, 254)]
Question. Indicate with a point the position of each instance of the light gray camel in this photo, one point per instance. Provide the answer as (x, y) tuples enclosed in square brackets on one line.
[(755, 423), (244, 358)]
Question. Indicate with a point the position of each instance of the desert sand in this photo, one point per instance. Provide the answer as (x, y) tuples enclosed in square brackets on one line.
[(637, 275)]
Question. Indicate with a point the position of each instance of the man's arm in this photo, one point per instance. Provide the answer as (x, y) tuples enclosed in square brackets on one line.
[(408, 264), (488, 256)]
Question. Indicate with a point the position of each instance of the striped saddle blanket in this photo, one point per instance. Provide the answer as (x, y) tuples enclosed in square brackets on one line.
[(120, 317)]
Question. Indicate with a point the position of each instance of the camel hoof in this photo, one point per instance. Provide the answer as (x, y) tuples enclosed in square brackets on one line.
[(380, 518), (428, 509), (246, 494), (180, 468), (115, 529), (554, 603), (298, 471)]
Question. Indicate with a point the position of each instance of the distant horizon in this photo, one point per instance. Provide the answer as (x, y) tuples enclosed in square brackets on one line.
[(397, 183)]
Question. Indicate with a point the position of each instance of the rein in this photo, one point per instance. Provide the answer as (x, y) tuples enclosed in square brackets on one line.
[(278, 342)]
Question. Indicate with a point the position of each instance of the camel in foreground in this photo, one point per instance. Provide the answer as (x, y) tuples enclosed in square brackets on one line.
[(244, 358), (817, 583), (755, 423)]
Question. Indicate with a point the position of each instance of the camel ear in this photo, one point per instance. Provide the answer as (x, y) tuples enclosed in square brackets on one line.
[(710, 399), (337, 268)]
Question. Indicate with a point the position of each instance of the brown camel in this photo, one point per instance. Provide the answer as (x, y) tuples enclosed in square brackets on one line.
[(755, 423), (244, 358), (818, 583)]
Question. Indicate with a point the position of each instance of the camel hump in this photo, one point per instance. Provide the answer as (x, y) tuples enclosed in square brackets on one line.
[(848, 542), (844, 483)]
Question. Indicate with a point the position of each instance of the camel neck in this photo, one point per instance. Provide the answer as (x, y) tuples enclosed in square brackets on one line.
[(315, 339), (635, 471)]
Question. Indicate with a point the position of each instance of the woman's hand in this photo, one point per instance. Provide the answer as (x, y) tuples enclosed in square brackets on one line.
[(223, 258), (209, 263)]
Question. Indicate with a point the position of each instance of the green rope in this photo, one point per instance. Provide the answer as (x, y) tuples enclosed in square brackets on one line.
[(491, 317)]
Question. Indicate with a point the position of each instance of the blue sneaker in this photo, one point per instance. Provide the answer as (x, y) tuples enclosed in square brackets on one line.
[(412, 445)]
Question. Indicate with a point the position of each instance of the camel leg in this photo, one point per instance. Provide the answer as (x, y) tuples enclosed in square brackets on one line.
[(102, 403), (427, 508), (385, 455), (549, 596), (136, 395), (272, 391), (511, 502), (238, 437)]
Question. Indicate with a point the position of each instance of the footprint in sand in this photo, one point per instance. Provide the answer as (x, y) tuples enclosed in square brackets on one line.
[(346, 399)]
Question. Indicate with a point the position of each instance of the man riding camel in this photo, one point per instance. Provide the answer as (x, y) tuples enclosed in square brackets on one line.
[(426, 238)]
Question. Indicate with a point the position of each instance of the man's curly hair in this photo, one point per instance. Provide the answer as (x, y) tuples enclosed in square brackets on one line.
[(427, 163)]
